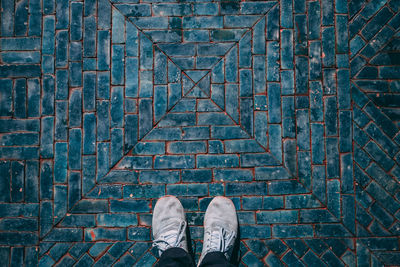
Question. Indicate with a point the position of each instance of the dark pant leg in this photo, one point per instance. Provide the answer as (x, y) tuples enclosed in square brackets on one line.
[(175, 257), (215, 259)]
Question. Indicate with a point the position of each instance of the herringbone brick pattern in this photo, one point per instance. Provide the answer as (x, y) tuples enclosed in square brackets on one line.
[(290, 108)]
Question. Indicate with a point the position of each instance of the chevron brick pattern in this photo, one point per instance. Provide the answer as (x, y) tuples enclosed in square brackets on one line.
[(290, 108), (375, 72)]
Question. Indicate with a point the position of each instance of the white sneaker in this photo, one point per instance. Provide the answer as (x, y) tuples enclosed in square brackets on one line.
[(220, 227), (169, 224)]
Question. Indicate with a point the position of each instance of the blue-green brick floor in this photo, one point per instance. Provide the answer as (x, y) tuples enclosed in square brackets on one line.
[(290, 108)]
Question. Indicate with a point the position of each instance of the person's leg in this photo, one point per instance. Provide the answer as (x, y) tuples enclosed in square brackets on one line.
[(169, 233), (215, 259), (220, 232), (175, 257)]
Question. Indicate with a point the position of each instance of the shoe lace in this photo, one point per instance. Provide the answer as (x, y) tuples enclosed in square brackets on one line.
[(220, 240), (171, 238)]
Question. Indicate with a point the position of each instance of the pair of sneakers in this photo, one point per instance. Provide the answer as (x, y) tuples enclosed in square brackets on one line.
[(220, 226)]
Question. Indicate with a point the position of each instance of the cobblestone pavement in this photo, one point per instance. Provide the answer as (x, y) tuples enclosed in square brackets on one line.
[(291, 108)]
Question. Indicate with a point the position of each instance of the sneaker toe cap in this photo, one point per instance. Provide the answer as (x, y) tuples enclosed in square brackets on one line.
[(167, 208), (221, 210)]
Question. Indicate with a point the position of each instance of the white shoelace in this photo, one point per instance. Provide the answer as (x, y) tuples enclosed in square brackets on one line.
[(220, 240), (171, 238)]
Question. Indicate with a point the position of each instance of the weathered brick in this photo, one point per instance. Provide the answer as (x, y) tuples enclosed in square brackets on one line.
[(208, 161), (202, 22), (301, 73), (21, 18), (31, 181), (331, 116), (145, 114), (273, 22), (292, 230), (227, 132), (272, 217), (315, 62), (25, 71), (261, 129), (328, 46), (205, 8), (287, 49), (253, 160), (117, 66), (74, 189), (75, 149), (19, 153), (231, 71), (20, 43), (20, 238), (20, 209), (171, 9), (103, 125), (174, 162), (256, 7), (187, 189), (238, 146), (46, 216), (91, 206), (186, 147), (105, 191), (17, 255), (317, 143), (129, 205), (60, 203), (60, 162), (275, 141), (316, 103), (244, 51), (286, 14), (274, 103), (316, 215), (103, 154), (342, 34), (285, 187), (250, 231), (20, 57), (46, 180), (96, 234), (252, 203), (301, 201), (5, 181), (138, 233), (17, 181), (345, 132), (255, 188), (271, 173), (20, 139), (233, 175), (331, 230), (143, 191), (304, 167), (273, 62), (303, 130), (133, 10), (159, 176), (6, 100), (89, 136), (117, 220)]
